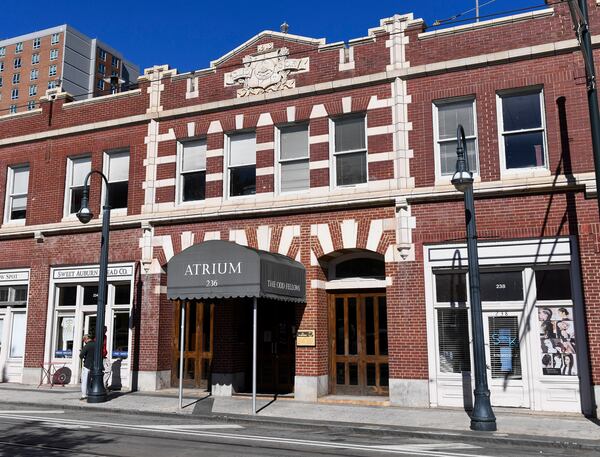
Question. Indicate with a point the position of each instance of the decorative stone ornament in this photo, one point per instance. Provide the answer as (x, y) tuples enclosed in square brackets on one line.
[(266, 72)]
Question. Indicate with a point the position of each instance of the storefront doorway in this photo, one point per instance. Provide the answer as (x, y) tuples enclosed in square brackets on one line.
[(276, 351), (359, 344), (13, 323), (198, 343)]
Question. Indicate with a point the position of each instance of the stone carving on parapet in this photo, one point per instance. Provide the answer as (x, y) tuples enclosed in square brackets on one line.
[(266, 72)]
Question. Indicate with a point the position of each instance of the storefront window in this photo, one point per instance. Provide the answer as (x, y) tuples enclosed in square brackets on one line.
[(17, 343), (501, 285), (67, 295), (451, 287), (122, 294), (505, 350), (120, 343), (64, 336), (553, 284), (3, 294), (90, 295), (453, 334)]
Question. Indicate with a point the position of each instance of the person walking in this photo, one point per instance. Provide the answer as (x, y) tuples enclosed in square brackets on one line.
[(87, 355)]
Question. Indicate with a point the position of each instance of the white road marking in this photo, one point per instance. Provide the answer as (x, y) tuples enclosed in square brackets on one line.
[(429, 446), (191, 426), (403, 450), (38, 411), (68, 426)]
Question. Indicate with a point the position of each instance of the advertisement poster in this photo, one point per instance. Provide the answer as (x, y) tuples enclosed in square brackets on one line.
[(557, 339)]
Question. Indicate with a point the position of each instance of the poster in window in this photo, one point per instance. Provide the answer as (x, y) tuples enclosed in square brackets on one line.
[(557, 339)]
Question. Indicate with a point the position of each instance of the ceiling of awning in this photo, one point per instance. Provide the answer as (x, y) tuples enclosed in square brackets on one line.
[(224, 269)]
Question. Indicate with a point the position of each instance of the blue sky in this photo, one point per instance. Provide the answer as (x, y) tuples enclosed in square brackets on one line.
[(187, 35)]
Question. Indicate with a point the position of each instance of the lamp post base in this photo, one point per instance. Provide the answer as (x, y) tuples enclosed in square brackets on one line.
[(483, 426), (97, 392)]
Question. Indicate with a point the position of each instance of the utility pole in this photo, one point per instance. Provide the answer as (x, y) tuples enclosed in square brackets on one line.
[(579, 15), (477, 10)]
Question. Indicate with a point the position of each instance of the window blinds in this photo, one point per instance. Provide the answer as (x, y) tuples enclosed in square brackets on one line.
[(81, 167), (194, 156), (349, 134), (118, 166), (242, 149)]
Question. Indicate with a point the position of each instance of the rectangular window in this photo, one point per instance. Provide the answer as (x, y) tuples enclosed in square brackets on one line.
[(1, 66), (447, 116), (32, 90), (192, 179), (505, 351), (115, 62), (30, 105), (14, 94), (51, 84), (453, 343), (242, 164), (100, 84), (350, 151), (19, 47), (12, 109), (53, 54), (522, 129), (37, 43), (118, 179), (102, 69), (501, 285), (101, 54), (18, 184), (17, 63), (120, 342), (293, 158), (34, 74), (17, 340), (16, 78), (1, 82), (55, 38), (35, 58), (2, 51), (451, 287), (65, 335), (52, 70), (78, 168), (553, 284)]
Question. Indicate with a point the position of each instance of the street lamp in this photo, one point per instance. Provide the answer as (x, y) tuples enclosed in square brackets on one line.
[(482, 417), (97, 393)]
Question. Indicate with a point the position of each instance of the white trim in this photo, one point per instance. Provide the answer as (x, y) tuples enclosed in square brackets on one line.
[(226, 166), (357, 283), (68, 180), (333, 154), (9, 195), (279, 161), (526, 171), (106, 156), (179, 173)]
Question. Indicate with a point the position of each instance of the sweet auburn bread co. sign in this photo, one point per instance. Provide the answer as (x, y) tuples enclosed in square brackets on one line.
[(225, 269)]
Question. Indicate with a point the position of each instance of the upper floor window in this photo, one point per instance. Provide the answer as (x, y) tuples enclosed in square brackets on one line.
[(52, 70), (192, 171), (101, 54), (448, 114), (53, 54), (55, 38), (30, 105), (16, 78), (16, 193), (117, 172), (241, 164), (32, 90), (77, 169), (522, 129), (52, 84), (0, 81), (17, 62), (19, 47), (1, 66), (14, 94), (12, 109), (115, 62), (350, 150), (37, 43), (34, 74), (293, 158), (101, 68), (100, 84), (2, 51), (35, 58)]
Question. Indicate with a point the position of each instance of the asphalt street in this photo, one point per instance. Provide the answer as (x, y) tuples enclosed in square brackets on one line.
[(56, 432)]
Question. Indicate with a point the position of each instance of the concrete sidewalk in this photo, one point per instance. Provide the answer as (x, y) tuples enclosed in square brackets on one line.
[(515, 426)]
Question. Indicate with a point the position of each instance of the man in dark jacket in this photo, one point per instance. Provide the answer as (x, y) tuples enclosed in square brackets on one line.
[(87, 355)]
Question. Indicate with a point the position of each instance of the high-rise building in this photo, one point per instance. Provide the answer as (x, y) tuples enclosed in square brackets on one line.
[(32, 63)]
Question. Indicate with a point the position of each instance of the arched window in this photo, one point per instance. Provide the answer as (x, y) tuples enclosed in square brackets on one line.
[(358, 265)]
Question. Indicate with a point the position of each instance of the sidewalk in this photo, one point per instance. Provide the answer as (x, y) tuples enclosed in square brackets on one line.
[(514, 426)]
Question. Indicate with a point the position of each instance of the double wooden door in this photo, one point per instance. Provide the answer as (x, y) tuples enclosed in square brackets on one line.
[(358, 344), (197, 341)]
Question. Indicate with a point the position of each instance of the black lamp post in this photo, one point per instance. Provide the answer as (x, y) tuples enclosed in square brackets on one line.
[(97, 392), (482, 417)]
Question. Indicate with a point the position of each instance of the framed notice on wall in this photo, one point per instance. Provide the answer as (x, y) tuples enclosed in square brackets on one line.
[(306, 338)]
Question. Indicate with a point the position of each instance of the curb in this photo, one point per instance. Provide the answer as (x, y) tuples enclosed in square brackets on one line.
[(373, 429)]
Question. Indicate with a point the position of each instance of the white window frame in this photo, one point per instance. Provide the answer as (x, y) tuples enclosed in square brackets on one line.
[(35, 58), (14, 94), (51, 84), (1, 81), (180, 173), (2, 51), (34, 72), (30, 105), (530, 171), (226, 177), (101, 54), (102, 69), (1, 66), (333, 154), (279, 173), (54, 54), (37, 42), (55, 38), (68, 183), (115, 62), (16, 79), (19, 47), (33, 90), (12, 109), (10, 195), (445, 179), (17, 63), (106, 171), (52, 70), (100, 84)]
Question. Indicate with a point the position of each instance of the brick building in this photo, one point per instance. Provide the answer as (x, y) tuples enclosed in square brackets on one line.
[(59, 56), (337, 156)]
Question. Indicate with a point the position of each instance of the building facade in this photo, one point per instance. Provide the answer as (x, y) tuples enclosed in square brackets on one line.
[(59, 56), (338, 156)]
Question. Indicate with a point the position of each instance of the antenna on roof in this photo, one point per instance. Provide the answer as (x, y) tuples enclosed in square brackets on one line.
[(283, 28), (456, 16)]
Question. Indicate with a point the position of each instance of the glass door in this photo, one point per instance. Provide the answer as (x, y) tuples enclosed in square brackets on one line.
[(506, 367), (16, 346), (359, 344)]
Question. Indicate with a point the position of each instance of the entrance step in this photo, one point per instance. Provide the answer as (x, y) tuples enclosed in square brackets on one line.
[(355, 400)]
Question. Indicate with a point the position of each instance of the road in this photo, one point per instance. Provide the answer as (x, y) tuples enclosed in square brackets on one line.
[(49, 433)]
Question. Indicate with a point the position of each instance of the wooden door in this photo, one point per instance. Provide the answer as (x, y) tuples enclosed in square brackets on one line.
[(358, 344), (198, 343)]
